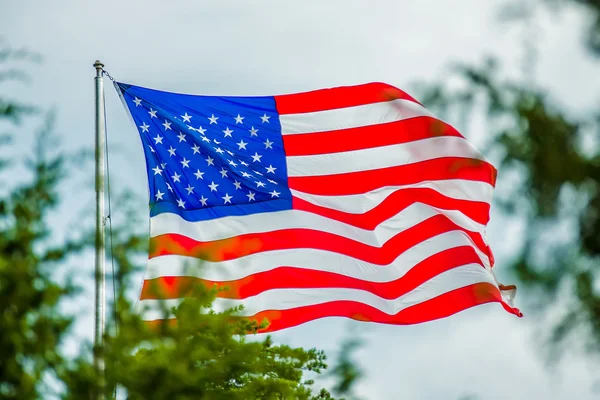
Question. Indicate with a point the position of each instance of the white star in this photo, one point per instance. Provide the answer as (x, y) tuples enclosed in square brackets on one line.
[(181, 203), (157, 171), (227, 132), (203, 200), (245, 174), (171, 151), (213, 186), (151, 149), (268, 144), (274, 194), (189, 189), (152, 113), (159, 195), (137, 101), (250, 196), (163, 165), (201, 130), (223, 172), (205, 139), (232, 163), (265, 118), (169, 187), (167, 125), (181, 137), (144, 127), (196, 148), (237, 185), (260, 184), (185, 163), (253, 132), (186, 117), (257, 173), (219, 150), (245, 164), (216, 141), (213, 119), (229, 152), (227, 198), (210, 160), (241, 145), (199, 174), (272, 181), (176, 177), (256, 157), (238, 119), (191, 127), (271, 169), (158, 139)]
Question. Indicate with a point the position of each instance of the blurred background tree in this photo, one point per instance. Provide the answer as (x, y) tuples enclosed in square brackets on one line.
[(31, 325), (549, 174)]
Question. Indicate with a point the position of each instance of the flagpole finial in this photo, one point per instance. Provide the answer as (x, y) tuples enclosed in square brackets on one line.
[(99, 67)]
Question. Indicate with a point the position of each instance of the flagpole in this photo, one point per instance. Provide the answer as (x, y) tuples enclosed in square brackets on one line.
[(100, 268)]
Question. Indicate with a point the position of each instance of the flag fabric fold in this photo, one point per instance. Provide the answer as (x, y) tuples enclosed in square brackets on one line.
[(349, 202)]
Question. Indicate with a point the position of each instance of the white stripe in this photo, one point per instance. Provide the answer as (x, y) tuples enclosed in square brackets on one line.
[(361, 203), (231, 226), (351, 117), (283, 299), (381, 157), (311, 259)]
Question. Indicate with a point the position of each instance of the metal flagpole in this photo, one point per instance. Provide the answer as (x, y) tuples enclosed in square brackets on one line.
[(100, 268)]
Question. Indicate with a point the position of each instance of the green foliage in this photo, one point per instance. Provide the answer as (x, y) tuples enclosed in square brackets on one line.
[(31, 327), (557, 157), (10, 108), (205, 355), (346, 371), (558, 184)]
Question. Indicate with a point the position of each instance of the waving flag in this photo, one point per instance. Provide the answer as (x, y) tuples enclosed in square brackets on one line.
[(351, 202)]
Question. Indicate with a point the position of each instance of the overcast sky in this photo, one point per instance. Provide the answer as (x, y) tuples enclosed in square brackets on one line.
[(272, 47)]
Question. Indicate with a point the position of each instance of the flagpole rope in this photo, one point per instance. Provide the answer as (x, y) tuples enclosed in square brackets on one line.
[(109, 216), (104, 72), (110, 230)]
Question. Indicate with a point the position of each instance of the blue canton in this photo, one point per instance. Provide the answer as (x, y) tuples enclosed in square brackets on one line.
[(209, 157)]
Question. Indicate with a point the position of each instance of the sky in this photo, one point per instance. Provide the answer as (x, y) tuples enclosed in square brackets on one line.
[(273, 47)]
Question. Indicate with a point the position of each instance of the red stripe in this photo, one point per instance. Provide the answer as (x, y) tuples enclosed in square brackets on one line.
[(339, 97), (365, 137), (442, 306), (243, 245), (173, 287), (365, 181), (478, 211)]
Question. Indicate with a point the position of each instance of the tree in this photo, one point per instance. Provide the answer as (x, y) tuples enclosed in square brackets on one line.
[(30, 325), (554, 158), (204, 355)]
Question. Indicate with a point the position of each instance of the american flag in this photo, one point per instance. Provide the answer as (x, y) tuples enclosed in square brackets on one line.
[(345, 202)]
